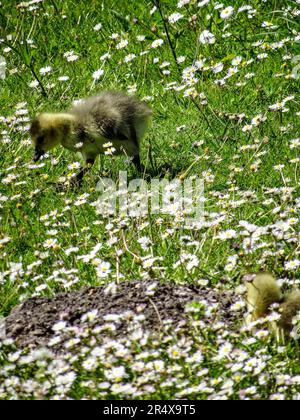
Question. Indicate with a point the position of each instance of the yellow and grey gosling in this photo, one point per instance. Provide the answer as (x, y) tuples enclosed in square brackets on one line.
[(111, 117), (262, 292)]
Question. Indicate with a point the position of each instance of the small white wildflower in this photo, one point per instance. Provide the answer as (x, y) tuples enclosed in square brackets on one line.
[(50, 243), (60, 326), (63, 78), (45, 70), (292, 265), (116, 374), (227, 234), (203, 3), (141, 38), (207, 37), (122, 44), (34, 84), (157, 43), (97, 74), (73, 57), (175, 17), (105, 56), (98, 27), (182, 3), (103, 269), (90, 364), (227, 13), (217, 68), (73, 166)]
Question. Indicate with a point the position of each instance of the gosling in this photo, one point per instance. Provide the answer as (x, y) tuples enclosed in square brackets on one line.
[(263, 292), (92, 126)]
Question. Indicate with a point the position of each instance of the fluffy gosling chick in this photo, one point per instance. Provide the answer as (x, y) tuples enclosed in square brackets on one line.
[(88, 127), (263, 292)]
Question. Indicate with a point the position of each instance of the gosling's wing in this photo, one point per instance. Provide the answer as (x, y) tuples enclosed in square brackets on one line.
[(112, 115), (107, 126), (111, 130)]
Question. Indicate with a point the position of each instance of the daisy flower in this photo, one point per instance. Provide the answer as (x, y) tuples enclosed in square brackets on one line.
[(157, 43), (227, 13), (97, 74), (45, 70), (207, 37)]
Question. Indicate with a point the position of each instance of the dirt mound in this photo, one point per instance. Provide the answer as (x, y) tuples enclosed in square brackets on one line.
[(30, 324)]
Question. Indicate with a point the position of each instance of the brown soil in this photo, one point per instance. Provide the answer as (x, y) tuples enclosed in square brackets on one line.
[(30, 323)]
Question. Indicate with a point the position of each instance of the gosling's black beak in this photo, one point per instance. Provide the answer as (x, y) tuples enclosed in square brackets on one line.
[(37, 154)]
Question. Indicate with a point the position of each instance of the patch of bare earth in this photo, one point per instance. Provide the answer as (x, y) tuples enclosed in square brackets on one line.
[(30, 324)]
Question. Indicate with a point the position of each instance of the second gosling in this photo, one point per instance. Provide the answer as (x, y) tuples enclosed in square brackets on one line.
[(111, 117), (263, 291)]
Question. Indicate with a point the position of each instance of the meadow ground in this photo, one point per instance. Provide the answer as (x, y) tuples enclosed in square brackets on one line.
[(223, 82)]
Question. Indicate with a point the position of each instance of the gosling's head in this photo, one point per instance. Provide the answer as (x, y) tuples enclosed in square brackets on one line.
[(48, 131), (263, 291)]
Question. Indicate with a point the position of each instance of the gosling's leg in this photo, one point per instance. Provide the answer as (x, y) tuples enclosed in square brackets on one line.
[(77, 181), (79, 177), (136, 159), (137, 162)]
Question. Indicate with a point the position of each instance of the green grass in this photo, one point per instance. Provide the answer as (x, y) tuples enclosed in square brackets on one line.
[(242, 165)]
